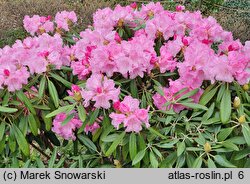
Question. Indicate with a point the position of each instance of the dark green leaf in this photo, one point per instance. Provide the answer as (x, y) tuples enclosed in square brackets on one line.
[(115, 144), (133, 88), (225, 107), (224, 133), (62, 80), (197, 163), (194, 106), (138, 157), (42, 87), (81, 113), (52, 159), (21, 141), (210, 163), (67, 119), (132, 146), (246, 133), (180, 148), (53, 93), (87, 142), (206, 97), (223, 161), (61, 109), (94, 116), (26, 101), (153, 160), (7, 109), (33, 124)]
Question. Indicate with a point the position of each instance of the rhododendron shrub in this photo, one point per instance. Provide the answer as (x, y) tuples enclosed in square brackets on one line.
[(140, 87)]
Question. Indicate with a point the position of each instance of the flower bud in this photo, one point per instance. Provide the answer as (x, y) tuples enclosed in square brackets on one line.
[(207, 147), (246, 87), (120, 23), (242, 119), (117, 164), (77, 96), (236, 102)]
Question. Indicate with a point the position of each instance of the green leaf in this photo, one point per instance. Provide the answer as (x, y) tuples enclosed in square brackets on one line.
[(26, 101), (224, 133), (246, 133), (132, 146), (53, 93), (87, 142), (225, 107), (42, 87), (194, 149), (138, 157), (223, 161), (94, 116), (106, 131), (200, 140), (153, 160), (157, 152), (33, 124), (180, 92), (220, 93), (2, 130), (2, 144), (81, 113), (210, 163), (194, 106), (209, 113), (189, 94), (67, 119), (61, 109), (6, 99), (230, 145), (169, 144), (206, 97), (21, 141), (210, 121), (52, 159), (47, 121), (115, 144), (7, 109), (62, 80), (155, 132), (133, 88), (180, 148), (242, 154), (197, 163), (39, 162), (142, 146)]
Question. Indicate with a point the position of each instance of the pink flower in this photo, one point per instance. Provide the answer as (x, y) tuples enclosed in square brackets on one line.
[(37, 24), (66, 131), (91, 128), (129, 113), (101, 90), (180, 8), (169, 96), (64, 19)]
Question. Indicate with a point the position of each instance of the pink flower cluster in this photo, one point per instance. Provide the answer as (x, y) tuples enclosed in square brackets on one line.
[(183, 33), (100, 90), (127, 42), (41, 24), (37, 24), (30, 56), (129, 113), (66, 131)]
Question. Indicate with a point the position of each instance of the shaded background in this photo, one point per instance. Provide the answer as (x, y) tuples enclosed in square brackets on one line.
[(233, 15)]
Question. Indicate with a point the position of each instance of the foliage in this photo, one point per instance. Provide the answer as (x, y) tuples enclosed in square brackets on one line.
[(39, 120)]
